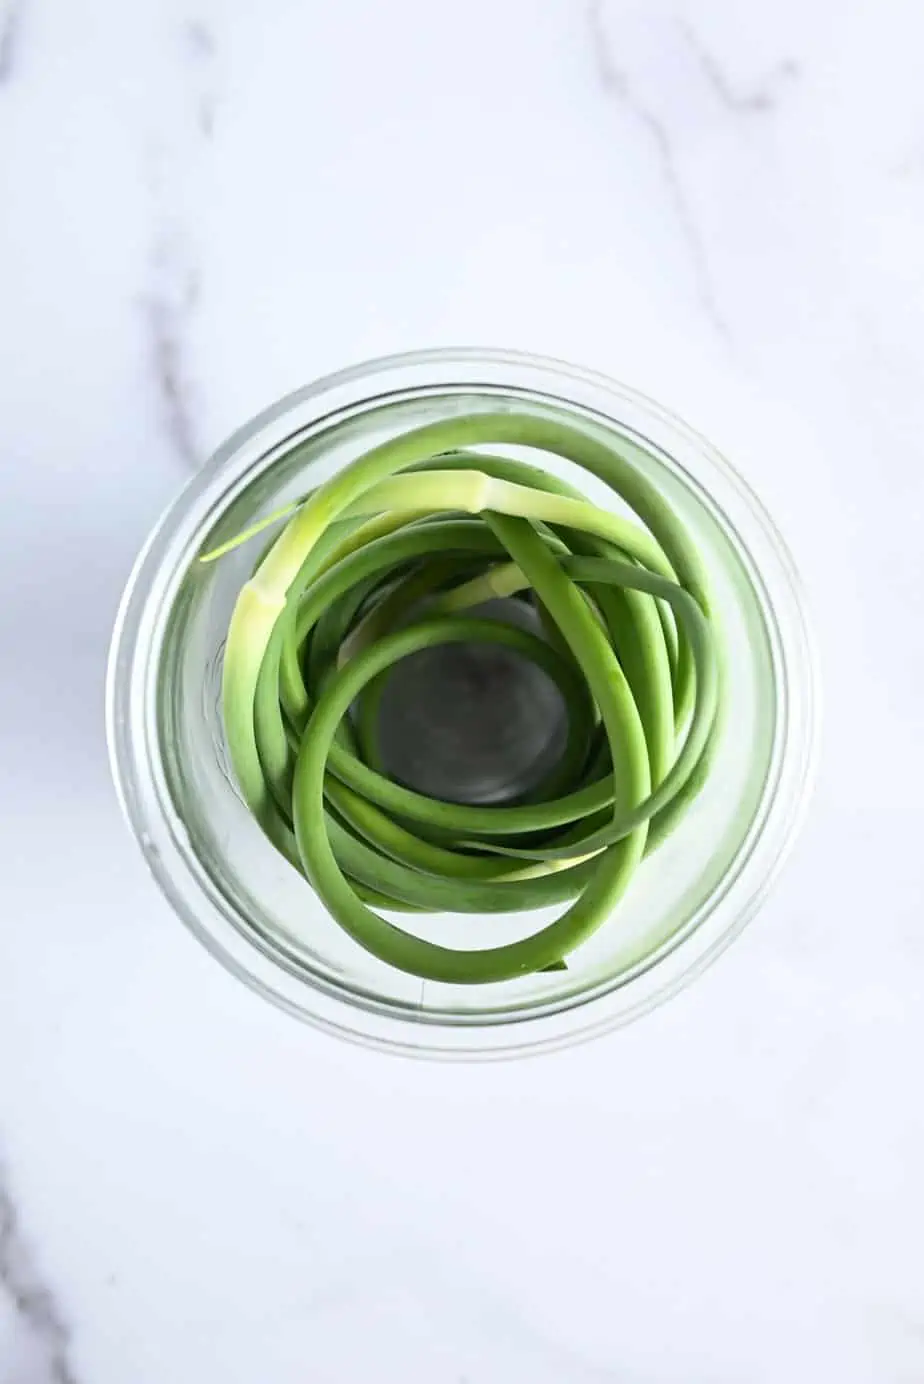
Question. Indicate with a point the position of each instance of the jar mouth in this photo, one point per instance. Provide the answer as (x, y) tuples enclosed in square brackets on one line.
[(165, 802)]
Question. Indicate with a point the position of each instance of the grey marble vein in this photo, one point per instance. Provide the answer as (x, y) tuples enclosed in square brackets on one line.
[(32, 1299), (200, 39), (167, 308), (760, 100), (174, 272), (10, 28), (201, 48), (615, 83)]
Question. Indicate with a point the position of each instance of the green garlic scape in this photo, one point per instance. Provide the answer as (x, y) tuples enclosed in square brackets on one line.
[(420, 529)]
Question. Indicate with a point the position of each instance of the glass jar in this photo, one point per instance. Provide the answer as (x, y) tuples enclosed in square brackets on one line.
[(259, 917)]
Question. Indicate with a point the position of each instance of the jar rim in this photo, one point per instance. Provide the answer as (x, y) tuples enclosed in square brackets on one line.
[(251, 449)]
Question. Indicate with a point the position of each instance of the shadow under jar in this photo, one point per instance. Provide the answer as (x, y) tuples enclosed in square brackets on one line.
[(260, 917)]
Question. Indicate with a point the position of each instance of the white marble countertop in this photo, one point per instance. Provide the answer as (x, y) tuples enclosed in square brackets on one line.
[(205, 203)]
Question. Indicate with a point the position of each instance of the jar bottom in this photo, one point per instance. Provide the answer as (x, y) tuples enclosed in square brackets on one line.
[(472, 723)]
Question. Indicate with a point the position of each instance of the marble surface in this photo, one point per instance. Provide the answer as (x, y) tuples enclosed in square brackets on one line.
[(205, 203)]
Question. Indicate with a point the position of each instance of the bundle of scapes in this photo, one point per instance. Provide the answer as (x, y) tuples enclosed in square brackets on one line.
[(392, 556)]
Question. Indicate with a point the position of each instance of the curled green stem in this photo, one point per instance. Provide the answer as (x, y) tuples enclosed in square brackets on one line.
[(397, 554)]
